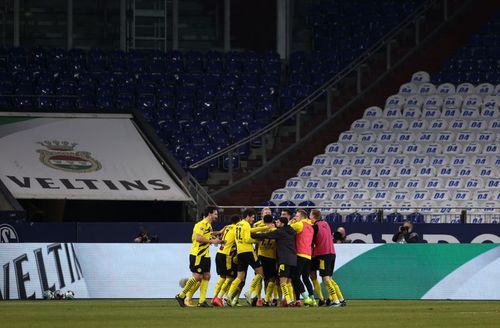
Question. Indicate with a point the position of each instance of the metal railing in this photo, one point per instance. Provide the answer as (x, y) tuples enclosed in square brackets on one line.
[(355, 67), (200, 195)]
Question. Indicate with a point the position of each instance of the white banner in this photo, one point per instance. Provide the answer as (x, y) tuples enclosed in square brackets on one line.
[(82, 158)]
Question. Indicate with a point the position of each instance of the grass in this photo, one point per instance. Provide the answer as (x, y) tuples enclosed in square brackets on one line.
[(166, 313)]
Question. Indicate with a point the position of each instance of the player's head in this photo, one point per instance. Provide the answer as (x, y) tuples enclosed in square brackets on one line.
[(235, 219), (341, 231), (265, 211), (315, 215), (300, 215), (211, 213), (408, 225), (268, 218), (287, 213), (281, 222), (249, 215)]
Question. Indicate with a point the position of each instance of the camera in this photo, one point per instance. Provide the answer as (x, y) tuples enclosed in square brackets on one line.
[(403, 228)]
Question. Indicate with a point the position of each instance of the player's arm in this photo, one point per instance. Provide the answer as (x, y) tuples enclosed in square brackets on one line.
[(298, 226), (246, 235), (202, 240), (267, 235), (219, 232), (260, 228)]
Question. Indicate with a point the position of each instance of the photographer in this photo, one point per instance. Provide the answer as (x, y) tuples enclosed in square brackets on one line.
[(142, 237), (339, 236), (406, 234)]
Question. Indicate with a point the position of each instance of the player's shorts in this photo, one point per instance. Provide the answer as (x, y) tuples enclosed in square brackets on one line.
[(225, 265), (199, 264), (324, 263), (285, 271), (248, 259), (269, 267)]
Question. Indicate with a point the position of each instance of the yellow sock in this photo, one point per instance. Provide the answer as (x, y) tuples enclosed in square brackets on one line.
[(332, 295), (193, 290), (187, 287), (238, 292), (256, 284), (218, 286), (277, 292), (234, 287), (317, 289), (291, 291), (286, 292), (258, 289), (203, 291), (269, 291), (225, 287), (337, 290)]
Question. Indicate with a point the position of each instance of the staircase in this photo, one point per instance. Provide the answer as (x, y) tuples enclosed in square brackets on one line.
[(430, 57)]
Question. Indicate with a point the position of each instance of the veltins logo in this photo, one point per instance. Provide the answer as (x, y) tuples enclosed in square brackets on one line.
[(60, 156), (8, 234)]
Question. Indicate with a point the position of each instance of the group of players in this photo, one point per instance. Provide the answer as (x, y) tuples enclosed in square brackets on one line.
[(285, 253)]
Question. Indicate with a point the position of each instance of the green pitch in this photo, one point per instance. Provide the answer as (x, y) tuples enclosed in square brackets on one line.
[(166, 313)]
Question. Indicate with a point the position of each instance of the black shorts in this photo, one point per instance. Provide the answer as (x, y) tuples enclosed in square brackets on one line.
[(324, 263), (285, 271), (225, 265), (248, 259), (199, 264), (269, 267)]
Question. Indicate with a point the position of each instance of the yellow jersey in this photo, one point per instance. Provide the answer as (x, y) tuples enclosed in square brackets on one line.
[(229, 246), (267, 247), (244, 240), (203, 228)]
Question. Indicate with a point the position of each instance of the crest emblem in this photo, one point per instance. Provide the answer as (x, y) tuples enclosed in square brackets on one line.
[(61, 156)]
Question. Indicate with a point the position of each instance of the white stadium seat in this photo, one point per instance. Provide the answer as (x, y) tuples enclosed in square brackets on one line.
[(466, 172), (367, 172), (452, 149), (372, 112), (477, 125), (446, 89), (457, 124), (335, 148), (418, 160), (354, 149), (327, 207), (395, 101), (470, 113), (485, 89), (361, 160), (391, 113), (420, 77), (431, 113), (465, 136), (433, 149), (307, 172), (474, 183), (398, 125), (439, 160), (340, 195), (446, 171), (367, 137), (380, 161), (354, 183), (327, 172), (413, 149), (414, 101), (394, 184), (280, 195), (490, 107), (434, 102), (380, 125), (425, 89), (414, 184), (434, 183), (473, 148), (485, 136), (348, 137), (374, 183), (386, 137), (374, 149), (487, 172), (451, 113), (454, 183), (314, 183), (339, 160), (426, 172), (411, 113), (334, 183), (408, 89), (321, 160), (346, 172), (360, 125), (320, 195), (494, 125), (380, 195), (492, 183), (300, 195), (438, 124), (491, 149), (464, 89), (419, 124), (461, 195), (386, 172), (482, 195), (294, 183), (452, 101), (420, 195), (472, 102), (399, 160), (425, 137), (393, 149), (482, 160), (360, 195), (445, 137), (497, 90)]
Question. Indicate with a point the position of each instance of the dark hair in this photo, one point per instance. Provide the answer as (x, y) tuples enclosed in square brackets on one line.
[(316, 214), (288, 210), (249, 212), (303, 213), (209, 210), (283, 220), (235, 219), (268, 218)]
